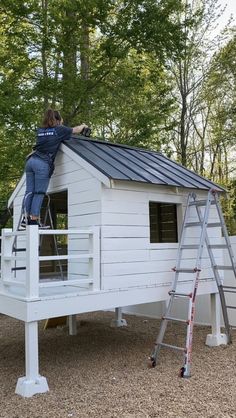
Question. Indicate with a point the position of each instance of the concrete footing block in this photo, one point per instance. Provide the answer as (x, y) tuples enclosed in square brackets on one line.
[(213, 340), (27, 387)]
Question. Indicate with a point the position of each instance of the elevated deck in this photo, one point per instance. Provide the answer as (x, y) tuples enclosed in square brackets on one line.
[(29, 297)]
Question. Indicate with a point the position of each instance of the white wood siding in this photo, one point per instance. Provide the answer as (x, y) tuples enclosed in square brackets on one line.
[(128, 257)]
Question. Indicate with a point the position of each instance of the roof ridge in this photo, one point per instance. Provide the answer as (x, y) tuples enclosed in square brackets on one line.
[(104, 141)]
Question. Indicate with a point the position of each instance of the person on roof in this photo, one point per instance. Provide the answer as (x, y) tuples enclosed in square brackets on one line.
[(40, 163)]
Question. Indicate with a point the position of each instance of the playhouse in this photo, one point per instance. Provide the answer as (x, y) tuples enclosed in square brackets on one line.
[(117, 214)]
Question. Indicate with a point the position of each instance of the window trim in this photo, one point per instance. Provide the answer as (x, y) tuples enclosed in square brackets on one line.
[(179, 216)]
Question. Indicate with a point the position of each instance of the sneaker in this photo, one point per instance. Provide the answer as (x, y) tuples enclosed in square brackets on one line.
[(35, 222), (42, 226), (24, 222)]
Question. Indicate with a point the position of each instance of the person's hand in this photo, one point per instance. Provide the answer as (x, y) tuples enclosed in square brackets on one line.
[(78, 129), (82, 126)]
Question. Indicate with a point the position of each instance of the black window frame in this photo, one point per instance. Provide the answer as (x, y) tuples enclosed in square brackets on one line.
[(163, 230)]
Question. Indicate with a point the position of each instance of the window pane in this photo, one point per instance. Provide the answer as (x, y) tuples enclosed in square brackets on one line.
[(163, 222)]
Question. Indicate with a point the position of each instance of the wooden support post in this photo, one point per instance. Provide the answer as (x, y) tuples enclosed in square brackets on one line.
[(216, 338), (32, 262), (32, 382), (118, 321), (72, 325)]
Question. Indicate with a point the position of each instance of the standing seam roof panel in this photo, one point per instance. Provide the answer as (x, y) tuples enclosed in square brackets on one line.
[(186, 181), (153, 168), (104, 156), (185, 171), (89, 156), (123, 159), (121, 162)]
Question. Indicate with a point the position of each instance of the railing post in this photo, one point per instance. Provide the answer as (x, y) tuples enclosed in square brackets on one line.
[(96, 258), (32, 262), (6, 251)]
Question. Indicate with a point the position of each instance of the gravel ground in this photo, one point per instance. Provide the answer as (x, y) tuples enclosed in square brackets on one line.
[(102, 372)]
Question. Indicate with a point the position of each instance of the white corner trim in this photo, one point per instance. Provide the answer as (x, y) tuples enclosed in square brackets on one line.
[(87, 166), (16, 190)]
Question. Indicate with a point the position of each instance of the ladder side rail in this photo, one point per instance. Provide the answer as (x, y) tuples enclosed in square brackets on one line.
[(218, 281), (225, 234), (164, 322), (192, 302), (203, 236), (191, 197)]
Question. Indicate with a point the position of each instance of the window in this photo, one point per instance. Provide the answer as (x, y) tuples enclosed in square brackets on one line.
[(163, 222)]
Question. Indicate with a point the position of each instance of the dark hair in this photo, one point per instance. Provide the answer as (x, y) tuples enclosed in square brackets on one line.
[(51, 118)]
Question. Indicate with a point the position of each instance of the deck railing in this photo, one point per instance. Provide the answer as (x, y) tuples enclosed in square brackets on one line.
[(28, 260)]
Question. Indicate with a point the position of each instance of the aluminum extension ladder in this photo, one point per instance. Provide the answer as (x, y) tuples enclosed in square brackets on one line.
[(203, 243), (47, 217)]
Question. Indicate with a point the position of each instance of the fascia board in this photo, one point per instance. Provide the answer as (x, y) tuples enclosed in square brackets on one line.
[(16, 190)]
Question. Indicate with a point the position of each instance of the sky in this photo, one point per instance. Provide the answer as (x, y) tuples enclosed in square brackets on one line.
[(231, 9)]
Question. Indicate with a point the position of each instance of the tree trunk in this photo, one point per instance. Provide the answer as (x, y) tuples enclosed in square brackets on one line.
[(85, 69), (44, 52), (69, 71)]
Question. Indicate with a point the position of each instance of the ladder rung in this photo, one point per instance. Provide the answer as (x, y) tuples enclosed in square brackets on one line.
[(223, 267), (15, 250), (213, 224), (170, 318), (198, 203), (190, 224), (230, 307), (182, 270), (174, 293), (189, 247), (229, 287), (18, 268), (171, 346), (215, 246)]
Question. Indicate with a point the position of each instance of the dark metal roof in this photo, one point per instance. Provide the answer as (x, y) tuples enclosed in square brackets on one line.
[(121, 162)]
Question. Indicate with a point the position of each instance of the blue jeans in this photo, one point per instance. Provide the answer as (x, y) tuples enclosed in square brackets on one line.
[(37, 179)]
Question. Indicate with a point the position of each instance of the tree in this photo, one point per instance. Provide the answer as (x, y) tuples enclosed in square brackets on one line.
[(189, 70)]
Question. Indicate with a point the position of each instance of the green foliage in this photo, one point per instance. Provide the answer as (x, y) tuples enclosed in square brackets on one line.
[(140, 72)]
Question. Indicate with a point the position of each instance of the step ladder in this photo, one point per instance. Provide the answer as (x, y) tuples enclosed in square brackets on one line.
[(47, 220), (202, 210)]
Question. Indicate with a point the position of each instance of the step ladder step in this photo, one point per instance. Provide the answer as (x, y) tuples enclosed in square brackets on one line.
[(218, 246), (223, 267), (18, 268), (170, 318), (189, 247), (198, 203), (229, 289), (213, 224), (201, 203), (175, 347), (186, 270), (209, 225), (178, 294), (190, 224)]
